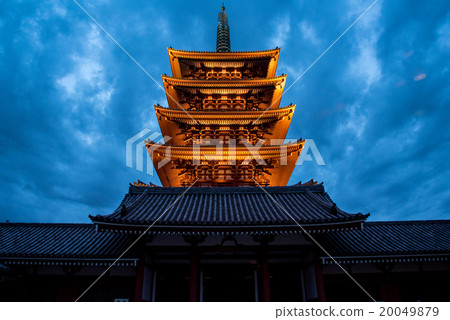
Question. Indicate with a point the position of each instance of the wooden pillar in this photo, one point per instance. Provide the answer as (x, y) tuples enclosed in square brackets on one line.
[(255, 275), (194, 283), (68, 290), (147, 283), (195, 272), (320, 282), (67, 293), (389, 291), (139, 281), (264, 264), (265, 274), (144, 274), (314, 287)]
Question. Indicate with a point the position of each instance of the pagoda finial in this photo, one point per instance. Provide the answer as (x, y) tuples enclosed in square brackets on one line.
[(223, 32)]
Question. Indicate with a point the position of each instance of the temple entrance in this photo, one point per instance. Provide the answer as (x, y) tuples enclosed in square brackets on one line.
[(286, 283), (229, 283), (172, 283)]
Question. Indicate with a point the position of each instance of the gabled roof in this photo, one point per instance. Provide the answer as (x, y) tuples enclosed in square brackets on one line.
[(228, 209), (60, 243), (390, 241)]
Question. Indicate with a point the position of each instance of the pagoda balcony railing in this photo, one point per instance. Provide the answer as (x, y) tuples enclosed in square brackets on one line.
[(225, 136), (226, 175), (224, 104), (220, 75), (227, 75)]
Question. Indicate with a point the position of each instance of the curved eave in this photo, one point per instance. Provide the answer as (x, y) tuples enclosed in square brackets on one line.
[(316, 188), (55, 261), (211, 153), (244, 83), (316, 227), (221, 117), (362, 259), (234, 55), (271, 56), (274, 86)]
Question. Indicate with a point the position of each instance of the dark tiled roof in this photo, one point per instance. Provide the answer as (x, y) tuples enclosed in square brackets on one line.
[(308, 204), (414, 240), (402, 238), (59, 241)]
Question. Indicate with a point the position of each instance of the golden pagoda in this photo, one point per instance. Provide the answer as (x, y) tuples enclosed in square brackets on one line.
[(224, 119)]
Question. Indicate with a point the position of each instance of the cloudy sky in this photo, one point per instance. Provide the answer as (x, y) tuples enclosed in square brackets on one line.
[(377, 104)]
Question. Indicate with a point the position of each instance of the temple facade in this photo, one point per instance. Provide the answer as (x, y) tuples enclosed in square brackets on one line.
[(224, 226)]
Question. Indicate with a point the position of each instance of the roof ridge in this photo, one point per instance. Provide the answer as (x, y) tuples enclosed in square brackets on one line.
[(142, 197), (231, 52), (331, 205), (400, 222), (46, 224), (321, 202), (230, 190)]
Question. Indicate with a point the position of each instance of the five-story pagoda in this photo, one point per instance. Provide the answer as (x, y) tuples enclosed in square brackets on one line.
[(224, 119)]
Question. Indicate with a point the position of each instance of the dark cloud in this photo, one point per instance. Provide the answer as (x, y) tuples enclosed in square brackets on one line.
[(70, 98)]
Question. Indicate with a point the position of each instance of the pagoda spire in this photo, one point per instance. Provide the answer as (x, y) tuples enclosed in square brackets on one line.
[(223, 32)]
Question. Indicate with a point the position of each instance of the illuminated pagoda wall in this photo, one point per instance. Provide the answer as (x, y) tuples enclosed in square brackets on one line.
[(224, 119)]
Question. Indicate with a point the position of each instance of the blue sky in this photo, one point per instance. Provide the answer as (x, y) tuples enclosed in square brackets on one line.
[(376, 105)]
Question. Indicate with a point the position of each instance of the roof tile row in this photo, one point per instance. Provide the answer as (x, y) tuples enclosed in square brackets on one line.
[(81, 241), (306, 204), (391, 238), (59, 240)]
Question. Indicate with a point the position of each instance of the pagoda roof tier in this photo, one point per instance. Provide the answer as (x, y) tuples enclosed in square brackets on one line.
[(270, 164), (233, 55), (213, 83), (212, 153), (171, 121), (225, 117), (176, 87), (248, 210), (181, 60)]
